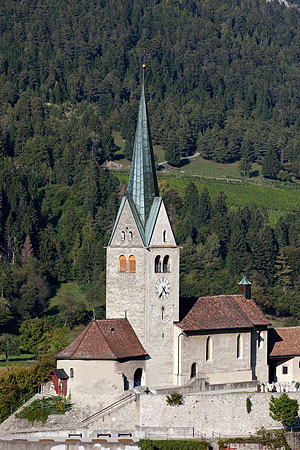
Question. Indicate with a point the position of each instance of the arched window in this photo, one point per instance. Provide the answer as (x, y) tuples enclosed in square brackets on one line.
[(157, 264), (71, 372), (166, 265), (194, 370), (208, 349), (132, 264), (239, 349), (130, 235), (122, 235), (138, 377), (165, 236), (122, 264)]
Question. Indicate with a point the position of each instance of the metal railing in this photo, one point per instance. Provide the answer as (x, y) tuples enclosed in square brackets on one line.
[(109, 407)]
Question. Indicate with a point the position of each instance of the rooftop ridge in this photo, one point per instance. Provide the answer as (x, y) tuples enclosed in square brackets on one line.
[(108, 344), (84, 333)]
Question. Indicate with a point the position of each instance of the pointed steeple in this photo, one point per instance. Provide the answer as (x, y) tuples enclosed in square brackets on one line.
[(142, 187)]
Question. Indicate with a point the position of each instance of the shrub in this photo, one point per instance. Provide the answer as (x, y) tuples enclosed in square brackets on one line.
[(174, 399), (173, 444), (39, 410), (248, 405), (19, 383), (284, 409)]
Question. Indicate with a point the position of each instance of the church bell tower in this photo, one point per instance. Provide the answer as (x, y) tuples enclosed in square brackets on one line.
[(142, 267)]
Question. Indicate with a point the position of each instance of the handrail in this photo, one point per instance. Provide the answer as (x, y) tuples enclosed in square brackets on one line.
[(107, 408)]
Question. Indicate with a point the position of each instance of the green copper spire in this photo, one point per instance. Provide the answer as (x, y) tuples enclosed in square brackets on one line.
[(142, 187)]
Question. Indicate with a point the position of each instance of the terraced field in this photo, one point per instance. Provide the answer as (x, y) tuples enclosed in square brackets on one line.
[(278, 199)]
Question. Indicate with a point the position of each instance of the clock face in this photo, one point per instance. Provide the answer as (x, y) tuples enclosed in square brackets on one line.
[(162, 288)]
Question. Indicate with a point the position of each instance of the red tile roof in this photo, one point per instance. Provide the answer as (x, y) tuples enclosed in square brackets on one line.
[(284, 341), (104, 339), (223, 312)]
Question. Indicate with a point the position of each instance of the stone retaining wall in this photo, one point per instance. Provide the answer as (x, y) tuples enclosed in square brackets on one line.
[(23, 445), (211, 415)]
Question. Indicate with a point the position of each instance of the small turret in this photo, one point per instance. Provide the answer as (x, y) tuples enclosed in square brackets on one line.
[(245, 287)]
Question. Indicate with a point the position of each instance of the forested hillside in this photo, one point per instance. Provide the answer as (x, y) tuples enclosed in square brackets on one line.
[(222, 79)]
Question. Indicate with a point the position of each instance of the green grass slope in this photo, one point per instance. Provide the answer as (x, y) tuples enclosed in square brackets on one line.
[(278, 199)]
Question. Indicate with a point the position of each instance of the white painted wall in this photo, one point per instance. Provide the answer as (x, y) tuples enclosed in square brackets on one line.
[(293, 367)]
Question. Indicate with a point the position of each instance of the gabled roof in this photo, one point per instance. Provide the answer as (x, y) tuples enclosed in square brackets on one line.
[(142, 187), (222, 312), (145, 232), (104, 339), (284, 342), (60, 373)]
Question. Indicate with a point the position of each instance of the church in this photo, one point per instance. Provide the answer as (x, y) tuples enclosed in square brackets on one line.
[(149, 339)]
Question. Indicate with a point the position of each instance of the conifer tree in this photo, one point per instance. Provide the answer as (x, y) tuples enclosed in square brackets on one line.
[(204, 208), (237, 256), (271, 164), (283, 272), (27, 251), (173, 151), (220, 222), (263, 252), (245, 165), (189, 220), (284, 409)]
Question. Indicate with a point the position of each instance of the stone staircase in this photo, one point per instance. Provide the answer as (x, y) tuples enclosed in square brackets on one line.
[(78, 417), (109, 409)]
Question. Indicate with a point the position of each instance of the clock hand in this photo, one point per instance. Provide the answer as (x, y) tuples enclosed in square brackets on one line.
[(164, 289)]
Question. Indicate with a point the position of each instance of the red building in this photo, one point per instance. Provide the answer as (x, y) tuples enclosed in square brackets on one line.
[(59, 379)]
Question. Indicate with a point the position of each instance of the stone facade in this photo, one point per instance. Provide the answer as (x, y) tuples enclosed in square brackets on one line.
[(223, 365), (133, 294), (211, 414), (142, 285)]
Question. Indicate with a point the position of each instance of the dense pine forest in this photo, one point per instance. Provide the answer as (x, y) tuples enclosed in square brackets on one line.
[(222, 79)]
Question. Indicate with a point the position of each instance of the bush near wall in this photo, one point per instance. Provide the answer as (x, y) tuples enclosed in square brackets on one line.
[(273, 440), (174, 444), (19, 384), (39, 410)]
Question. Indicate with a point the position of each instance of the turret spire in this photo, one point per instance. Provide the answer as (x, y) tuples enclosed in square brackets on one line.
[(142, 187)]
